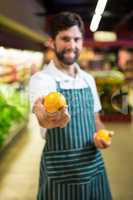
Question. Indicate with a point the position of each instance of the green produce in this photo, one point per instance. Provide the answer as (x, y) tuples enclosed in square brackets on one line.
[(110, 85), (110, 77), (14, 108)]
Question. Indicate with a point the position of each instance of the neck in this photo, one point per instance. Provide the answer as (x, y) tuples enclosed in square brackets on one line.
[(67, 69)]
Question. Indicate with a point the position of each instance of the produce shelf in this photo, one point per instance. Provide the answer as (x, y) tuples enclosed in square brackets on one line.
[(14, 131)]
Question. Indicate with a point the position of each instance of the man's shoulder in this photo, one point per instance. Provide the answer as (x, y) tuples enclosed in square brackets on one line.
[(41, 75)]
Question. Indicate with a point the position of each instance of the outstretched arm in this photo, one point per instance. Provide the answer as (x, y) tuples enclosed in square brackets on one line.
[(50, 120)]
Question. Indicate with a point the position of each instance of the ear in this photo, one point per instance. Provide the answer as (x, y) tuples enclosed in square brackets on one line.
[(49, 43)]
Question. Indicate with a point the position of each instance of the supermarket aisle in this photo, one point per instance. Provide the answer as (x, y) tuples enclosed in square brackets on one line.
[(119, 161), (19, 166)]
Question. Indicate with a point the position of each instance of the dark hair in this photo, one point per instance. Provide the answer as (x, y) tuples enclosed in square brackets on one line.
[(63, 21)]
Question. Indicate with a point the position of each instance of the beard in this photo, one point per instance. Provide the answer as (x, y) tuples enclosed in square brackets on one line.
[(67, 60)]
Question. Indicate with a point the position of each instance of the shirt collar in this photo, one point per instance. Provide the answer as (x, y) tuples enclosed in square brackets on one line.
[(59, 75)]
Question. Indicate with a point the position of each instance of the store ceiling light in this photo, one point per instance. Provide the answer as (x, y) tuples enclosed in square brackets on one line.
[(105, 36), (95, 22), (98, 15), (100, 6)]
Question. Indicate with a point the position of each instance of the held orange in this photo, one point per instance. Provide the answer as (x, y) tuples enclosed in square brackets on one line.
[(54, 101), (103, 133)]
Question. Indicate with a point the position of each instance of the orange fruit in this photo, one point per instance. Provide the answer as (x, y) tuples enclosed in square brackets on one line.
[(103, 133), (54, 101)]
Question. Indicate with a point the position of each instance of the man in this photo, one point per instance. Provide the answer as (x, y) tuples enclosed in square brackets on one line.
[(71, 166)]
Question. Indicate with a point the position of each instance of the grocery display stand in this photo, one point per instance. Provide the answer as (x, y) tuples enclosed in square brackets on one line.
[(16, 67), (113, 93), (13, 132), (14, 108)]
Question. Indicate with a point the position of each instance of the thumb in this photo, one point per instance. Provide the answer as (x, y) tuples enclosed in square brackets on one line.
[(39, 100), (38, 103), (111, 133)]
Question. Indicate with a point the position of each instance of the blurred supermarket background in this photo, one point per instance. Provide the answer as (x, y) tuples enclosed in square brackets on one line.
[(107, 55)]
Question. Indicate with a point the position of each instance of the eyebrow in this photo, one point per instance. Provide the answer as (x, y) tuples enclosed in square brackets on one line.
[(69, 37)]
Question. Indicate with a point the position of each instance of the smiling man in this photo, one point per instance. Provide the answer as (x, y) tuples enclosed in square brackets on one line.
[(71, 166)]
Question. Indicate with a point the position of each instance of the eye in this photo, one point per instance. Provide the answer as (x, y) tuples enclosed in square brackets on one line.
[(77, 39), (66, 39)]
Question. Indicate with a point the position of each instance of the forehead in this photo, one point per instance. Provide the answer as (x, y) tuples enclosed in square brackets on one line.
[(73, 31)]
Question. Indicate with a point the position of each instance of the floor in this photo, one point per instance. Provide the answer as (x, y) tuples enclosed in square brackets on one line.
[(19, 163)]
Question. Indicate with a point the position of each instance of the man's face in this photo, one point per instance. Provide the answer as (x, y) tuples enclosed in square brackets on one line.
[(68, 44)]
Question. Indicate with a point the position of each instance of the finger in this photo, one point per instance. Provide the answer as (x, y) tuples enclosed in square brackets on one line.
[(38, 105), (64, 109), (97, 142), (105, 143), (64, 122), (52, 125), (100, 142), (39, 100), (54, 116), (66, 114), (55, 121), (111, 133), (51, 115)]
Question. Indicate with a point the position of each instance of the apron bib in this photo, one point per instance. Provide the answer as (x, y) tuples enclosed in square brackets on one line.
[(71, 166)]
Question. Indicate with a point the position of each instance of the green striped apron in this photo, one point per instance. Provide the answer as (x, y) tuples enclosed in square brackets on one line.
[(71, 166)]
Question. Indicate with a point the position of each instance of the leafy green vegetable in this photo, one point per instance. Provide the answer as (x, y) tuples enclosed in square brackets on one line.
[(14, 107)]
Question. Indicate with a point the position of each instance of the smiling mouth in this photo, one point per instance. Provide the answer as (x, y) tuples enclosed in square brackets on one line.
[(69, 53)]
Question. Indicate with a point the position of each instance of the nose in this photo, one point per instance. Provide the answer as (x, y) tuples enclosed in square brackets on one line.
[(72, 44)]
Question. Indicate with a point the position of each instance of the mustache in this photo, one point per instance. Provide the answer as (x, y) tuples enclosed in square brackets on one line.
[(70, 50), (61, 55)]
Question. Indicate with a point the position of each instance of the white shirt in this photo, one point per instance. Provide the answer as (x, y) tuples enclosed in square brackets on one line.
[(44, 82)]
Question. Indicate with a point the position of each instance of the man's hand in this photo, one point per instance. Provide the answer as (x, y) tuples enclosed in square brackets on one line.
[(102, 143), (50, 120)]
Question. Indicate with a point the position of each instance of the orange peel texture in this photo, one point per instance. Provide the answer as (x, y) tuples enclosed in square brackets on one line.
[(103, 133), (54, 101)]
